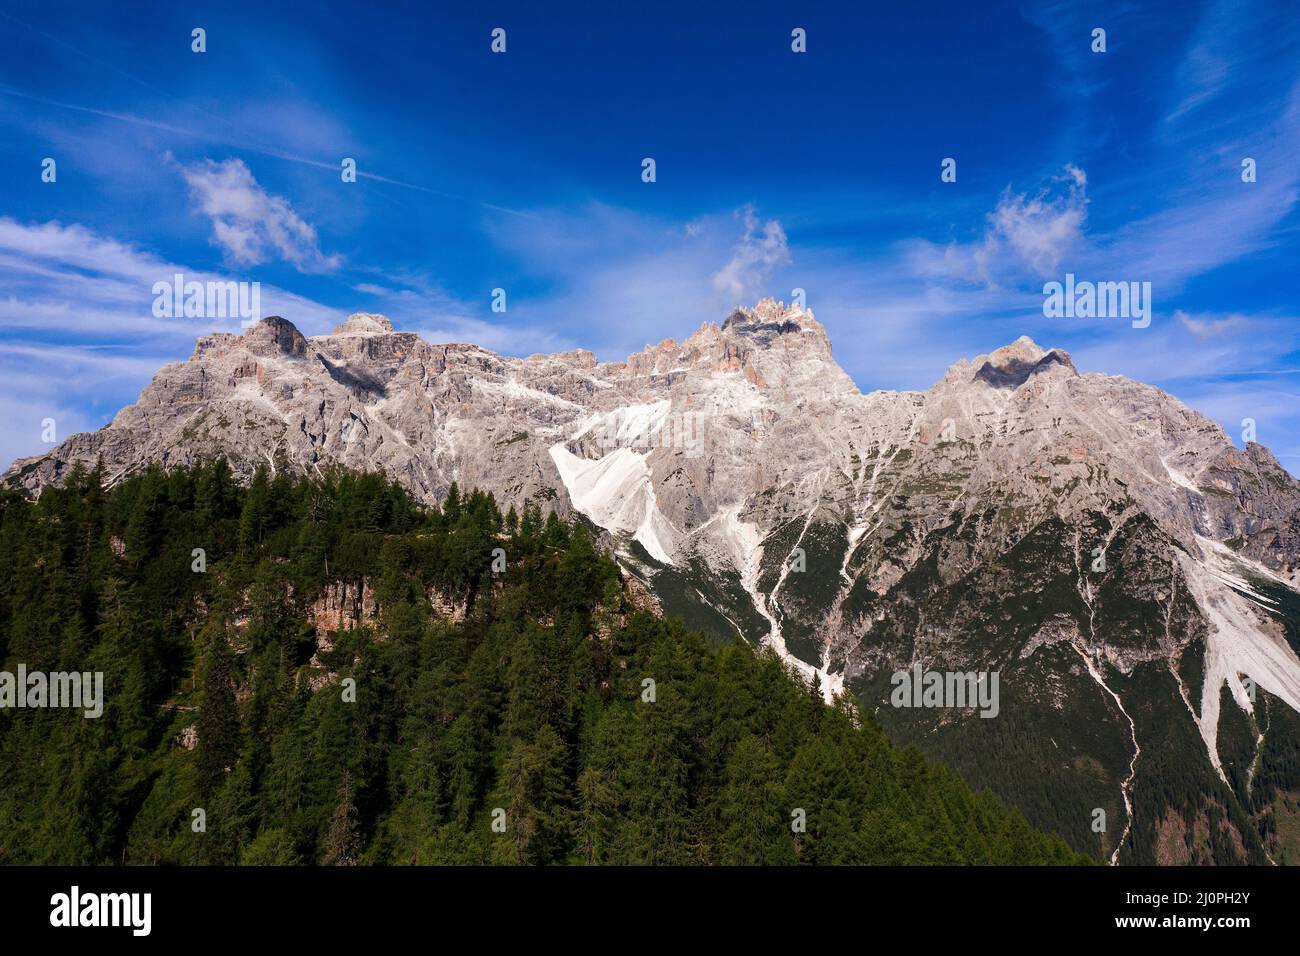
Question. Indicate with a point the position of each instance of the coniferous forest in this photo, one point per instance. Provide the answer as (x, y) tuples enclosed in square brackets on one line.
[(457, 713)]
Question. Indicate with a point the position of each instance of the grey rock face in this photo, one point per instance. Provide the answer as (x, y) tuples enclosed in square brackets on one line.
[(1087, 535)]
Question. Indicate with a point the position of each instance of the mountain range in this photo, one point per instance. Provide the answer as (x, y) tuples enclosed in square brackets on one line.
[(1128, 573)]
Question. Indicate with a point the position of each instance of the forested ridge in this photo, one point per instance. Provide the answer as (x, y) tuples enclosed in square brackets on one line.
[(530, 710)]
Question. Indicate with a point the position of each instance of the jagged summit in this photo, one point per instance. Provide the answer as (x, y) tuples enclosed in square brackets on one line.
[(364, 323), (1009, 367), (1023, 349), (772, 316), (1013, 365)]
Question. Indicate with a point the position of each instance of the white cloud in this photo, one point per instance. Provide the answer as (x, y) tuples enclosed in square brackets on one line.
[(760, 251), (1210, 326), (248, 223), (1026, 237), (1036, 231)]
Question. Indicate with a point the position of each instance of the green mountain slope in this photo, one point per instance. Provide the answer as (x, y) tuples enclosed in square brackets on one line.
[(347, 681)]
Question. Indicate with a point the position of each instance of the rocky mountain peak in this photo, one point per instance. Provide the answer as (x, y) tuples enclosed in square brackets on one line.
[(1023, 349), (274, 335), (771, 316), (771, 329), (364, 323), (1011, 366)]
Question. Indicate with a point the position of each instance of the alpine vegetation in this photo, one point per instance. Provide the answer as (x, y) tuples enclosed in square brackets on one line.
[(358, 678)]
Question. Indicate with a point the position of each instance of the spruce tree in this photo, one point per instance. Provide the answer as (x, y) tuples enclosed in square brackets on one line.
[(218, 724)]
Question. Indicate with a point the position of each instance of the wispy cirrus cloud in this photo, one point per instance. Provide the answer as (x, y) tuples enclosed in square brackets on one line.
[(67, 279), (417, 303), (1211, 326), (78, 337), (1226, 50)]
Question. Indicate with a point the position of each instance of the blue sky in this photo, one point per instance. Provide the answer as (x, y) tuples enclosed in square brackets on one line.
[(775, 170)]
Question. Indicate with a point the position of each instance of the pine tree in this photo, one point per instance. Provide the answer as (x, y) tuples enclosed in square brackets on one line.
[(342, 843), (218, 725), (253, 517), (451, 507)]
